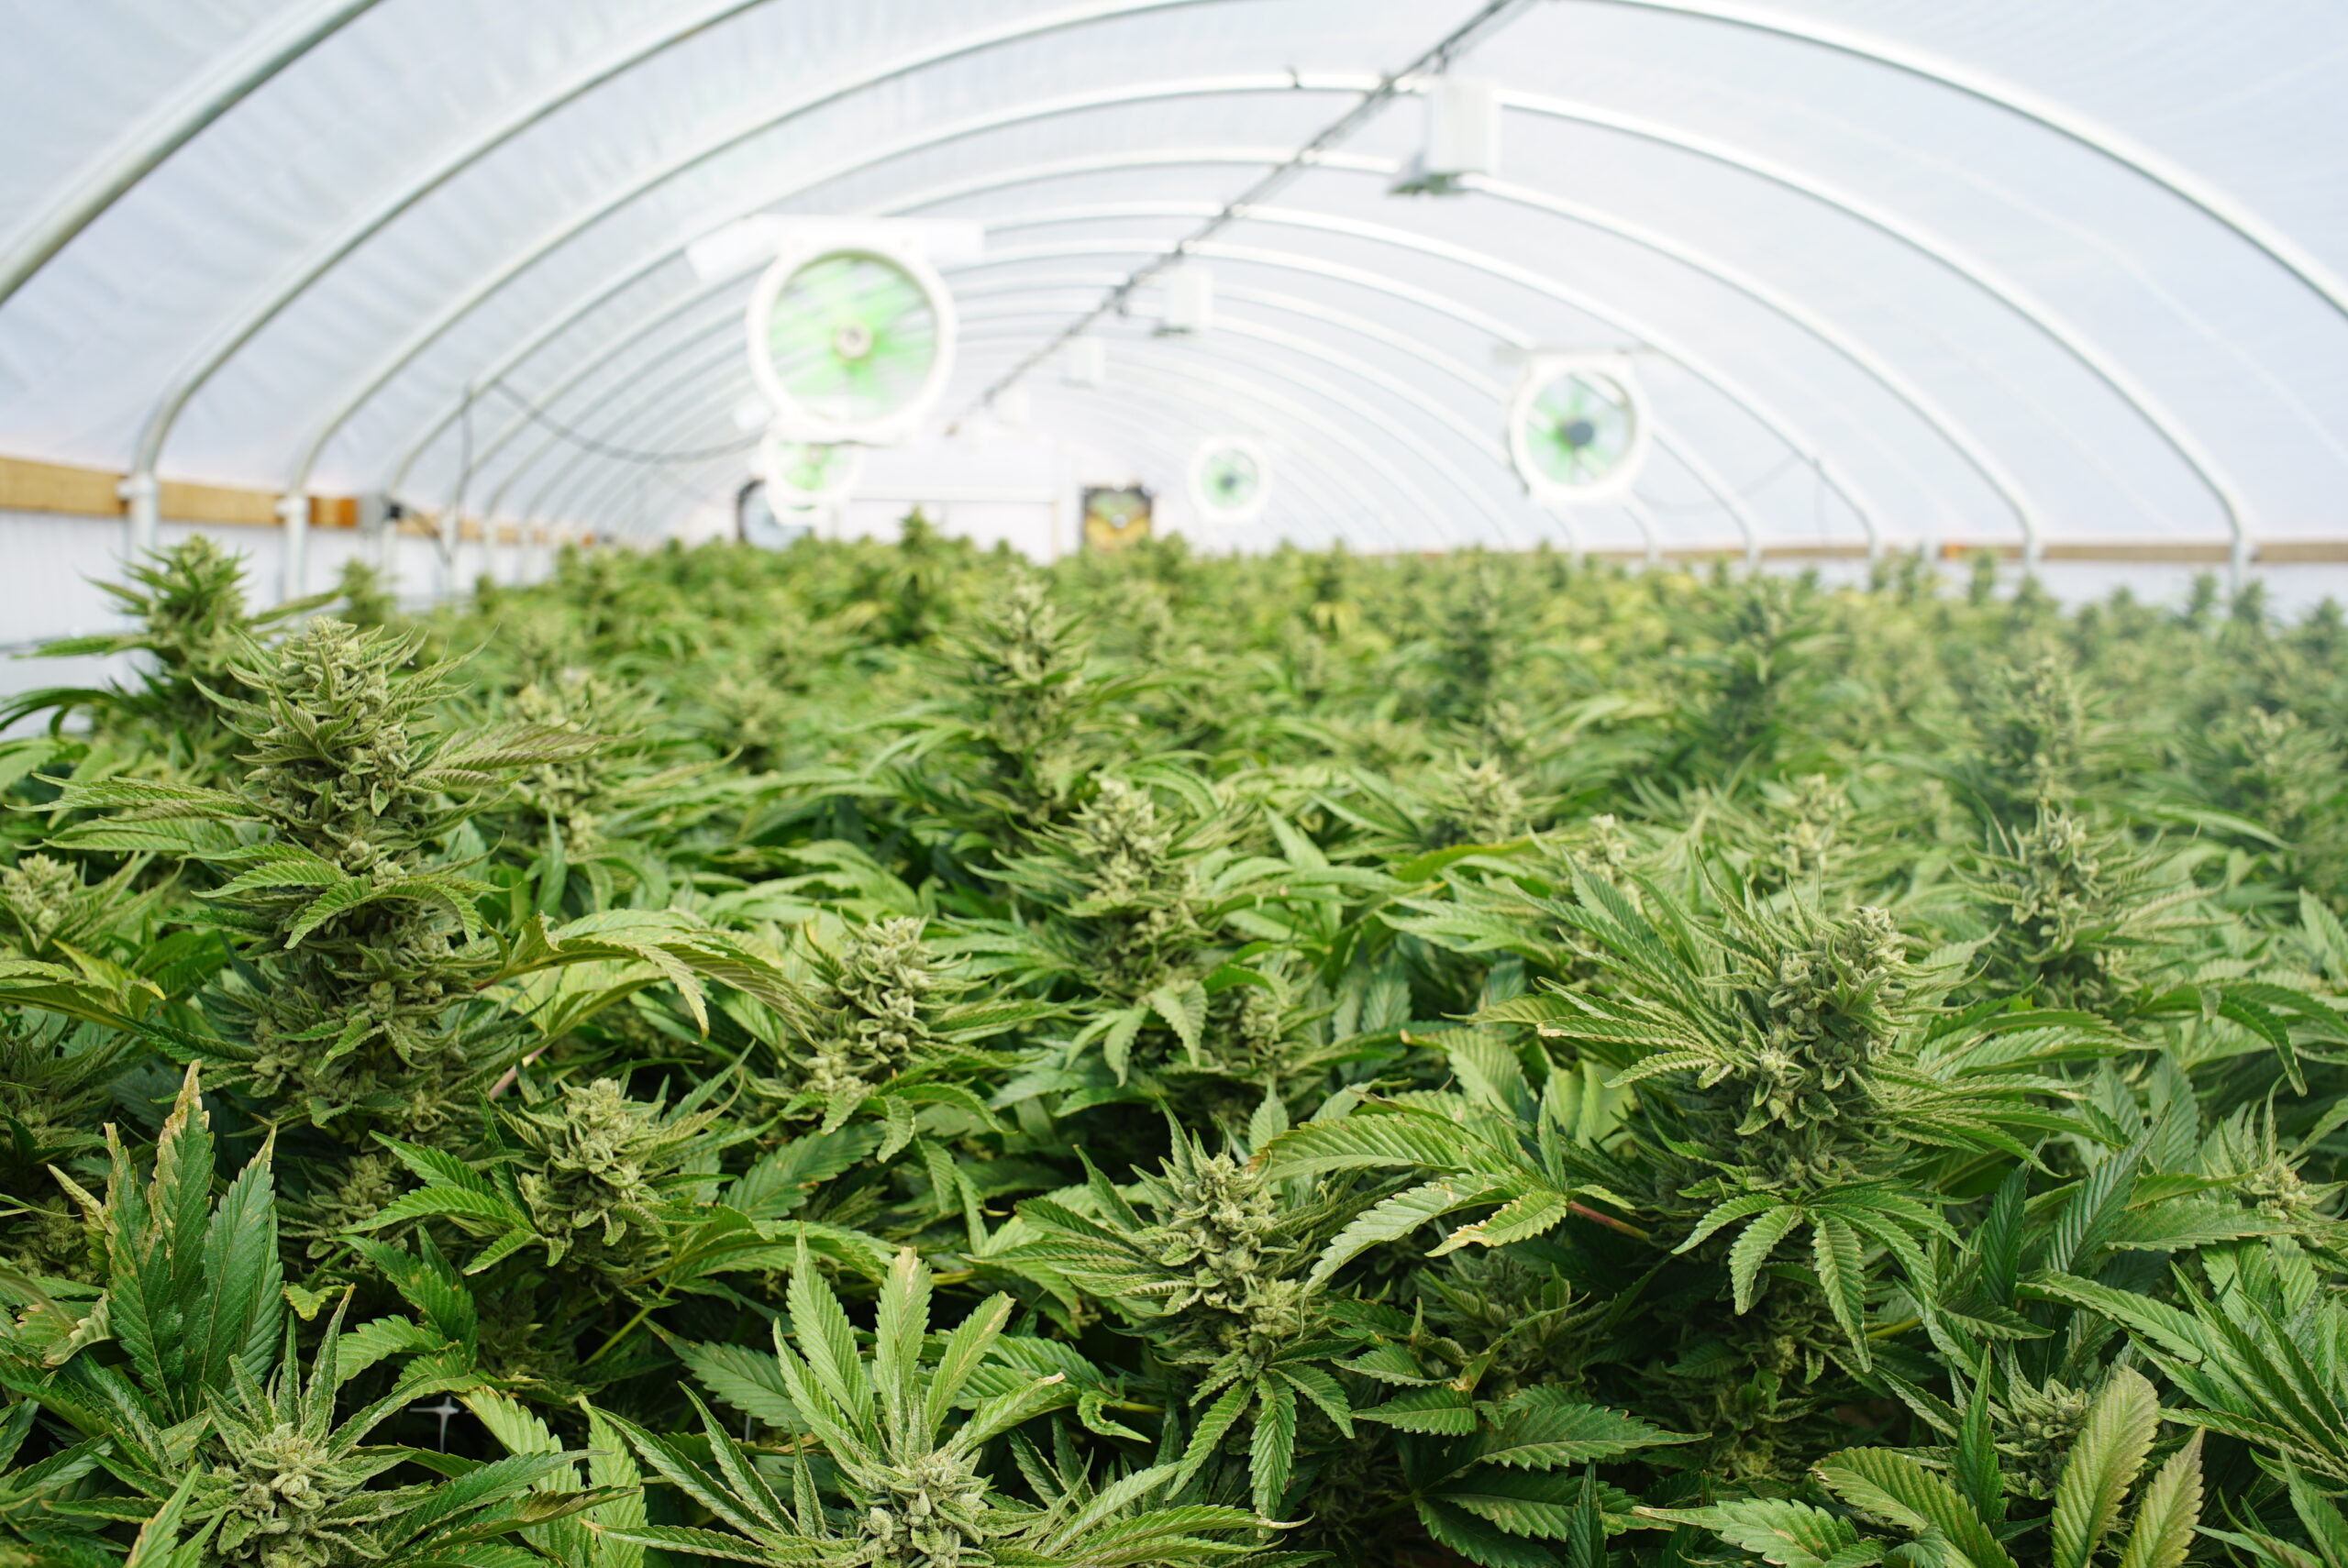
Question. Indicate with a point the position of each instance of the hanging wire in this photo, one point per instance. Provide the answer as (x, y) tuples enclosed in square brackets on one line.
[(1436, 59), (446, 538), (1742, 492), (604, 449)]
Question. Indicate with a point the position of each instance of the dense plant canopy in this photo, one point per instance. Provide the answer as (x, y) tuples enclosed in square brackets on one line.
[(884, 1055)]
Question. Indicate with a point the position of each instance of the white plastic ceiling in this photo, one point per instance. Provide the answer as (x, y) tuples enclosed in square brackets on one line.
[(2069, 268)]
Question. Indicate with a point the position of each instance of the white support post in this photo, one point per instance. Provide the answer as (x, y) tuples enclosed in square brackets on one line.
[(451, 532), (1647, 530), (142, 495), (293, 512), (1564, 518)]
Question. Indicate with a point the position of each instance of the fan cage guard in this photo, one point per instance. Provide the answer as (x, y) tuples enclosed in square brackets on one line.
[(778, 460), (1542, 372), (1202, 497), (798, 423)]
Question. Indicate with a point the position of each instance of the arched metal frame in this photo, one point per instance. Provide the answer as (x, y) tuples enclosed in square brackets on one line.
[(1143, 432), (170, 126), (1869, 363), (2038, 314), (1682, 354), (345, 242), (1972, 451), (2086, 132), (1402, 343), (1434, 409), (1401, 435), (724, 332), (2048, 322), (1212, 390), (259, 63), (1369, 456), (1679, 353), (1778, 425), (546, 495)]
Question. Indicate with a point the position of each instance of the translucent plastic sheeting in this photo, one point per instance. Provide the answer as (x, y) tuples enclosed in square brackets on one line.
[(1943, 272)]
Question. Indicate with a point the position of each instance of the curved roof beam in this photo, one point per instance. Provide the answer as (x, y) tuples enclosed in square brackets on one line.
[(1310, 266), (1147, 435), (644, 182), (2074, 126), (325, 257), (562, 483), (1887, 375), (1402, 435), (1779, 426), (1482, 439), (428, 333), (1395, 432), (2041, 316), (171, 125), (2045, 319), (2055, 116), (1434, 409), (1212, 392), (1673, 349), (1920, 403), (1399, 342)]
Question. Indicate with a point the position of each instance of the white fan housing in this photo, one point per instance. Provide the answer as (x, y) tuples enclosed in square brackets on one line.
[(851, 343), (1579, 428), (1230, 478), (802, 475)]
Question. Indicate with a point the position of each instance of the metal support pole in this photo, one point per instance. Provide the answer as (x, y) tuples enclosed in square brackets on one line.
[(293, 513), (143, 495)]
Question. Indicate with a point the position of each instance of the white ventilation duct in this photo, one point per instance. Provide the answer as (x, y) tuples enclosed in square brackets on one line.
[(1086, 362), (1190, 301)]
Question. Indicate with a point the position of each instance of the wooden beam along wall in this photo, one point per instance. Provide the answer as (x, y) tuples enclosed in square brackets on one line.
[(27, 484)]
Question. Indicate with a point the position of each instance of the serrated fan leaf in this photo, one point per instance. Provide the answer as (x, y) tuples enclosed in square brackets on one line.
[(1520, 1220), (2103, 1465), (1895, 1488), (1836, 1254), (1752, 1249), (1393, 1218), (1780, 1530), (1478, 1541), (1364, 1140), (1271, 1451), (1540, 1432), (2168, 1513)]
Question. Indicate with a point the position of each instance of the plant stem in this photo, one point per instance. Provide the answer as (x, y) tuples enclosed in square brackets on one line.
[(624, 1329)]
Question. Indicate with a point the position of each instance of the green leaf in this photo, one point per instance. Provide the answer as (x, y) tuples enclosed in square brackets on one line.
[(2103, 1465), (1272, 1452), (1779, 1530), (1752, 1249), (1834, 1251), (2168, 1513), (1543, 1429), (1893, 1487)]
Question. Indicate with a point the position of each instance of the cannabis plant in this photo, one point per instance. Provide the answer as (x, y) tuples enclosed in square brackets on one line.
[(194, 627), (1962, 1516), (906, 1445), (188, 1385)]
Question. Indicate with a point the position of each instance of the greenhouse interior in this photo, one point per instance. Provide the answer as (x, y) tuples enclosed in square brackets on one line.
[(1146, 783)]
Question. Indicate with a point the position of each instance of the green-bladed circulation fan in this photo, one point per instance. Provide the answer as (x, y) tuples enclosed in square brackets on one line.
[(1231, 479), (850, 343), (1578, 430), (801, 475)]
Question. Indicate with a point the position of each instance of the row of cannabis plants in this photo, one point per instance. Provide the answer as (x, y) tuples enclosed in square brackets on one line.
[(886, 1055)]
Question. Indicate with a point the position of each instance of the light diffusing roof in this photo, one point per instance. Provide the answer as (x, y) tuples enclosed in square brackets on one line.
[(2069, 269)]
